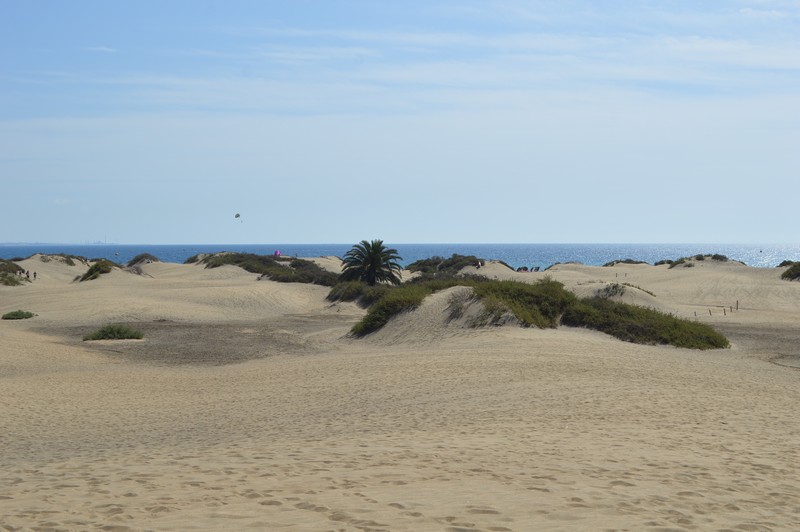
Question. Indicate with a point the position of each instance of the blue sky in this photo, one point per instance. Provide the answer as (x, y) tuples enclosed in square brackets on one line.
[(336, 121)]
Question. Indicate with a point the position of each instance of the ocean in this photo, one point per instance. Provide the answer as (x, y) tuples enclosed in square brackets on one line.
[(515, 255)]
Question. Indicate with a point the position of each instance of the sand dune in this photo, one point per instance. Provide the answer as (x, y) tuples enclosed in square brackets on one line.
[(247, 406)]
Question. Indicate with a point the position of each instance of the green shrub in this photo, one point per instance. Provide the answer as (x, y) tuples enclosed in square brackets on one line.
[(346, 291), (358, 291), (439, 265), (792, 273), (102, 266), (700, 257), (18, 315), (611, 290), (624, 261), (540, 304), (115, 332), (10, 273), (397, 300), (494, 312), (142, 257), (7, 266), (11, 279), (642, 325), (297, 271)]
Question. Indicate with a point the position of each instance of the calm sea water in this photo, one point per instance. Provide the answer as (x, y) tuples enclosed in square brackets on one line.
[(515, 255)]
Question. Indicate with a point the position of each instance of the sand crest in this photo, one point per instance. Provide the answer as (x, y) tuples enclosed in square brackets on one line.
[(247, 406)]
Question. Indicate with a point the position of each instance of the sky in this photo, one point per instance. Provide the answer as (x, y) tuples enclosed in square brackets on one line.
[(325, 121)]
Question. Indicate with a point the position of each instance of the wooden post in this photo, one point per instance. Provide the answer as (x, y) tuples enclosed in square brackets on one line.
[(709, 312), (737, 304), (724, 312)]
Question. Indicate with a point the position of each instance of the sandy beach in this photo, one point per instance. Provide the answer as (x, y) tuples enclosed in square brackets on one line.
[(247, 406)]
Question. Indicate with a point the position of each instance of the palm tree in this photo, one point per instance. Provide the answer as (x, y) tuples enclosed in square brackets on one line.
[(372, 263)]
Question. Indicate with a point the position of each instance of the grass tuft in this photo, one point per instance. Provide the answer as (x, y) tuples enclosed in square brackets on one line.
[(18, 315)]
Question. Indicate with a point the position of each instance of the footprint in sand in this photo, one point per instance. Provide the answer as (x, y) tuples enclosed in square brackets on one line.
[(622, 483), (271, 503)]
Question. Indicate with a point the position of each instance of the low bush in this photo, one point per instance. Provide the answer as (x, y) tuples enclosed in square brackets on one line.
[(642, 325), (540, 304), (785, 263), (297, 271), (7, 266), (18, 315), (142, 257), (10, 273), (792, 273), (9, 279), (400, 299), (115, 332), (440, 265), (685, 261), (624, 261), (611, 290), (358, 291), (100, 267)]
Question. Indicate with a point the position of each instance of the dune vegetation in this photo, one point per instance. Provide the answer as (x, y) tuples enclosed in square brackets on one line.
[(115, 332), (18, 315), (279, 269), (142, 257), (100, 267), (792, 273), (544, 304), (687, 262), (9, 273)]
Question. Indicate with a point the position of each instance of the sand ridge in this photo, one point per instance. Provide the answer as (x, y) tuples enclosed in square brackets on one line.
[(274, 418)]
